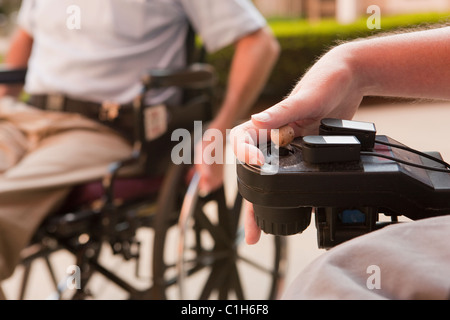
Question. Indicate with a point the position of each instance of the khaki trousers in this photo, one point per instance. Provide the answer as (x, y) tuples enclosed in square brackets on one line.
[(43, 154)]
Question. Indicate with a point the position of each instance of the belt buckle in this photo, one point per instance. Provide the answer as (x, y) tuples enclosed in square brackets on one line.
[(55, 102), (109, 111)]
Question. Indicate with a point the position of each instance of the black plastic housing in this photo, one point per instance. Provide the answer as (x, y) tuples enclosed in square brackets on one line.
[(324, 149), (364, 131), (372, 182)]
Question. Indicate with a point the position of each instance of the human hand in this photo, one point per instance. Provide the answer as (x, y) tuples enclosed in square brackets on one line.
[(209, 163), (331, 88)]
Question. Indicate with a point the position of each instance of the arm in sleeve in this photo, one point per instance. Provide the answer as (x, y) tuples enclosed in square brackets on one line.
[(221, 23), (24, 18)]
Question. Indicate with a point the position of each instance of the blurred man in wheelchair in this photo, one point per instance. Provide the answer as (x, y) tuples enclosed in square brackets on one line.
[(84, 66)]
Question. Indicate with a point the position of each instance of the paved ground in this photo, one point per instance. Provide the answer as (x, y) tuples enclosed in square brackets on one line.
[(424, 126)]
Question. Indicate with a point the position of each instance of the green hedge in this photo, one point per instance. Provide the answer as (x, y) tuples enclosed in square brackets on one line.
[(302, 43)]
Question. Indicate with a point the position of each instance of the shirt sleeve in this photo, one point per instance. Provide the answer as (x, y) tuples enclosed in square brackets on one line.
[(24, 18), (220, 23)]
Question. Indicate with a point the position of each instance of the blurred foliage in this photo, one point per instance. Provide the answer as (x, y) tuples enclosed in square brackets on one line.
[(7, 17), (9, 6), (302, 43)]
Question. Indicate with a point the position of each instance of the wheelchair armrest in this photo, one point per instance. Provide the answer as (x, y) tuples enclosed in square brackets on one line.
[(114, 167), (195, 76), (12, 76)]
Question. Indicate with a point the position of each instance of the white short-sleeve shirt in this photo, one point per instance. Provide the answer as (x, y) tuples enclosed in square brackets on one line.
[(99, 50)]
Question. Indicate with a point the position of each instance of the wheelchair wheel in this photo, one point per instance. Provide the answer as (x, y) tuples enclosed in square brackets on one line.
[(68, 267), (213, 252), (210, 259)]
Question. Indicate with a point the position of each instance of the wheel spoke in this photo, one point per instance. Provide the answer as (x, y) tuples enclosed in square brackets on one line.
[(216, 279), (217, 233), (236, 282), (257, 266)]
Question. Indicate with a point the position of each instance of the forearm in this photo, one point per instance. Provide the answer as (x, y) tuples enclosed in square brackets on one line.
[(17, 57), (19, 50), (254, 58), (415, 65), (409, 65)]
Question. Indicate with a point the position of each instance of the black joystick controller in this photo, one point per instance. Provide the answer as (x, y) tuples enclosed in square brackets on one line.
[(347, 176)]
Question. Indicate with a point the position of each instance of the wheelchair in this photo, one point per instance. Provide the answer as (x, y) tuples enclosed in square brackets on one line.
[(119, 232)]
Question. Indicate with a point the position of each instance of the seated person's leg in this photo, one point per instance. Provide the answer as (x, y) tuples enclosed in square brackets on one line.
[(405, 261), (13, 145), (63, 150), (21, 212)]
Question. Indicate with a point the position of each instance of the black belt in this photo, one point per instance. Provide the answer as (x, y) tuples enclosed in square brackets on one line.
[(119, 117)]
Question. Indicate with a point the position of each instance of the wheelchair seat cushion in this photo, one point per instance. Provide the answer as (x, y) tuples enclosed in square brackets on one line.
[(125, 189)]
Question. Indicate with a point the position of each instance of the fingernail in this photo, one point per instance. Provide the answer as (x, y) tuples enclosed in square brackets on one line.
[(262, 117)]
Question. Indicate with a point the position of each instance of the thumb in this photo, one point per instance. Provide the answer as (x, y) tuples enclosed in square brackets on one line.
[(291, 109)]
